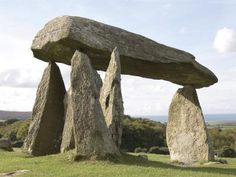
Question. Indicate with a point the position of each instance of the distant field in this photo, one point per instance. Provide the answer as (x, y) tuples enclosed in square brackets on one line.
[(6, 115), (156, 166), (222, 124)]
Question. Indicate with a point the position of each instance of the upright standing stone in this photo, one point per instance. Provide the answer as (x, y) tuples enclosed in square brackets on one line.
[(45, 131), (68, 141), (92, 138), (111, 98), (187, 135)]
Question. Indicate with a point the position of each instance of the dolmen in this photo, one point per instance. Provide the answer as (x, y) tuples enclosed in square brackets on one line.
[(88, 117)]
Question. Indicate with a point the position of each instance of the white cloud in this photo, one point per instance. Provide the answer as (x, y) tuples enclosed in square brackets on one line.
[(20, 99), (183, 30), (225, 40)]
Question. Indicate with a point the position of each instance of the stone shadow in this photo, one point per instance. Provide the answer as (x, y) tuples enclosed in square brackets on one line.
[(138, 161)]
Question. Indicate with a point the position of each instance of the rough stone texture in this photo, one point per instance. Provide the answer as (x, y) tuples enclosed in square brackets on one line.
[(45, 131), (92, 137), (139, 56), (187, 135), (68, 141), (5, 144), (111, 98)]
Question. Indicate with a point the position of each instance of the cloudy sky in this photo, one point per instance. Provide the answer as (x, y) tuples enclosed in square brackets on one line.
[(205, 28)]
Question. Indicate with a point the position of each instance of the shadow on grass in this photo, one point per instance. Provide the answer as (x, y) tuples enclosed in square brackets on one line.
[(128, 159)]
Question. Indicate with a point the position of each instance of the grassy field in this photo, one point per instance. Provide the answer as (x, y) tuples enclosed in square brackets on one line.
[(129, 166)]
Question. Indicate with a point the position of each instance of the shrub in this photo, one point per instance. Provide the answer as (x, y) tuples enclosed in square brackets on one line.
[(16, 131), (17, 144), (139, 149), (11, 121), (22, 131), (227, 152), (12, 136), (138, 132), (159, 150)]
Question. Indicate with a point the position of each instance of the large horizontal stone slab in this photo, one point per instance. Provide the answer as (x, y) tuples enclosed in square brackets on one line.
[(139, 55)]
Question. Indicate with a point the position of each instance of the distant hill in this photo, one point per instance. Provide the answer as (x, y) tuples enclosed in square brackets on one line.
[(212, 119), (209, 118), (5, 115)]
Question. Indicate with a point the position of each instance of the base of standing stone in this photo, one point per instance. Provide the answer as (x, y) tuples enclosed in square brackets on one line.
[(186, 132)]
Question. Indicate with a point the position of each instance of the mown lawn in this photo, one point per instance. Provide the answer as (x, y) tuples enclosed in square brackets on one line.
[(129, 166)]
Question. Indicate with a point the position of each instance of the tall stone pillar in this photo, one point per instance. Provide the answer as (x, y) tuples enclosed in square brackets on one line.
[(111, 98), (45, 131), (92, 137), (68, 139), (187, 135)]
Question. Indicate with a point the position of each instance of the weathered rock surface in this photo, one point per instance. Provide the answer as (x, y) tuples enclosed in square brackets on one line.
[(45, 131), (5, 144), (111, 98), (187, 135), (139, 56), (92, 137), (68, 141)]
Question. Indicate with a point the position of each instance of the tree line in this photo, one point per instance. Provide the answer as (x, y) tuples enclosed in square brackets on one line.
[(139, 135)]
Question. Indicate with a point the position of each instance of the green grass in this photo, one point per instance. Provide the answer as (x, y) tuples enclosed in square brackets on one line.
[(129, 166)]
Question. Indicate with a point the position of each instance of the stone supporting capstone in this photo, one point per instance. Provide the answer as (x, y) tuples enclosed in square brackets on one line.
[(187, 136), (111, 98), (92, 137), (68, 139), (45, 131)]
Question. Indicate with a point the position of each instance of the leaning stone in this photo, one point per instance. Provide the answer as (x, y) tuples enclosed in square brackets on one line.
[(5, 144), (45, 131), (111, 98), (92, 138), (140, 56), (68, 141), (187, 135)]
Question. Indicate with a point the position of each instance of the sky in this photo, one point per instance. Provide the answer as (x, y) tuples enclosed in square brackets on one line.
[(205, 28)]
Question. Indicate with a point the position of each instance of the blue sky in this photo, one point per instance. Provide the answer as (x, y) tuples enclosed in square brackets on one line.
[(207, 29)]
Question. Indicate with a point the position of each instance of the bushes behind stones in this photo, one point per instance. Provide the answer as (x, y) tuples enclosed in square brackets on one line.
[(226, 151), (139, 132), (153, 150), (139, 149), (221, 137), (5, 144), (159, 150), (15, 131)]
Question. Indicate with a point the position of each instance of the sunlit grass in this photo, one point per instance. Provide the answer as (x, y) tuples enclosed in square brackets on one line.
[(127, 166)]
